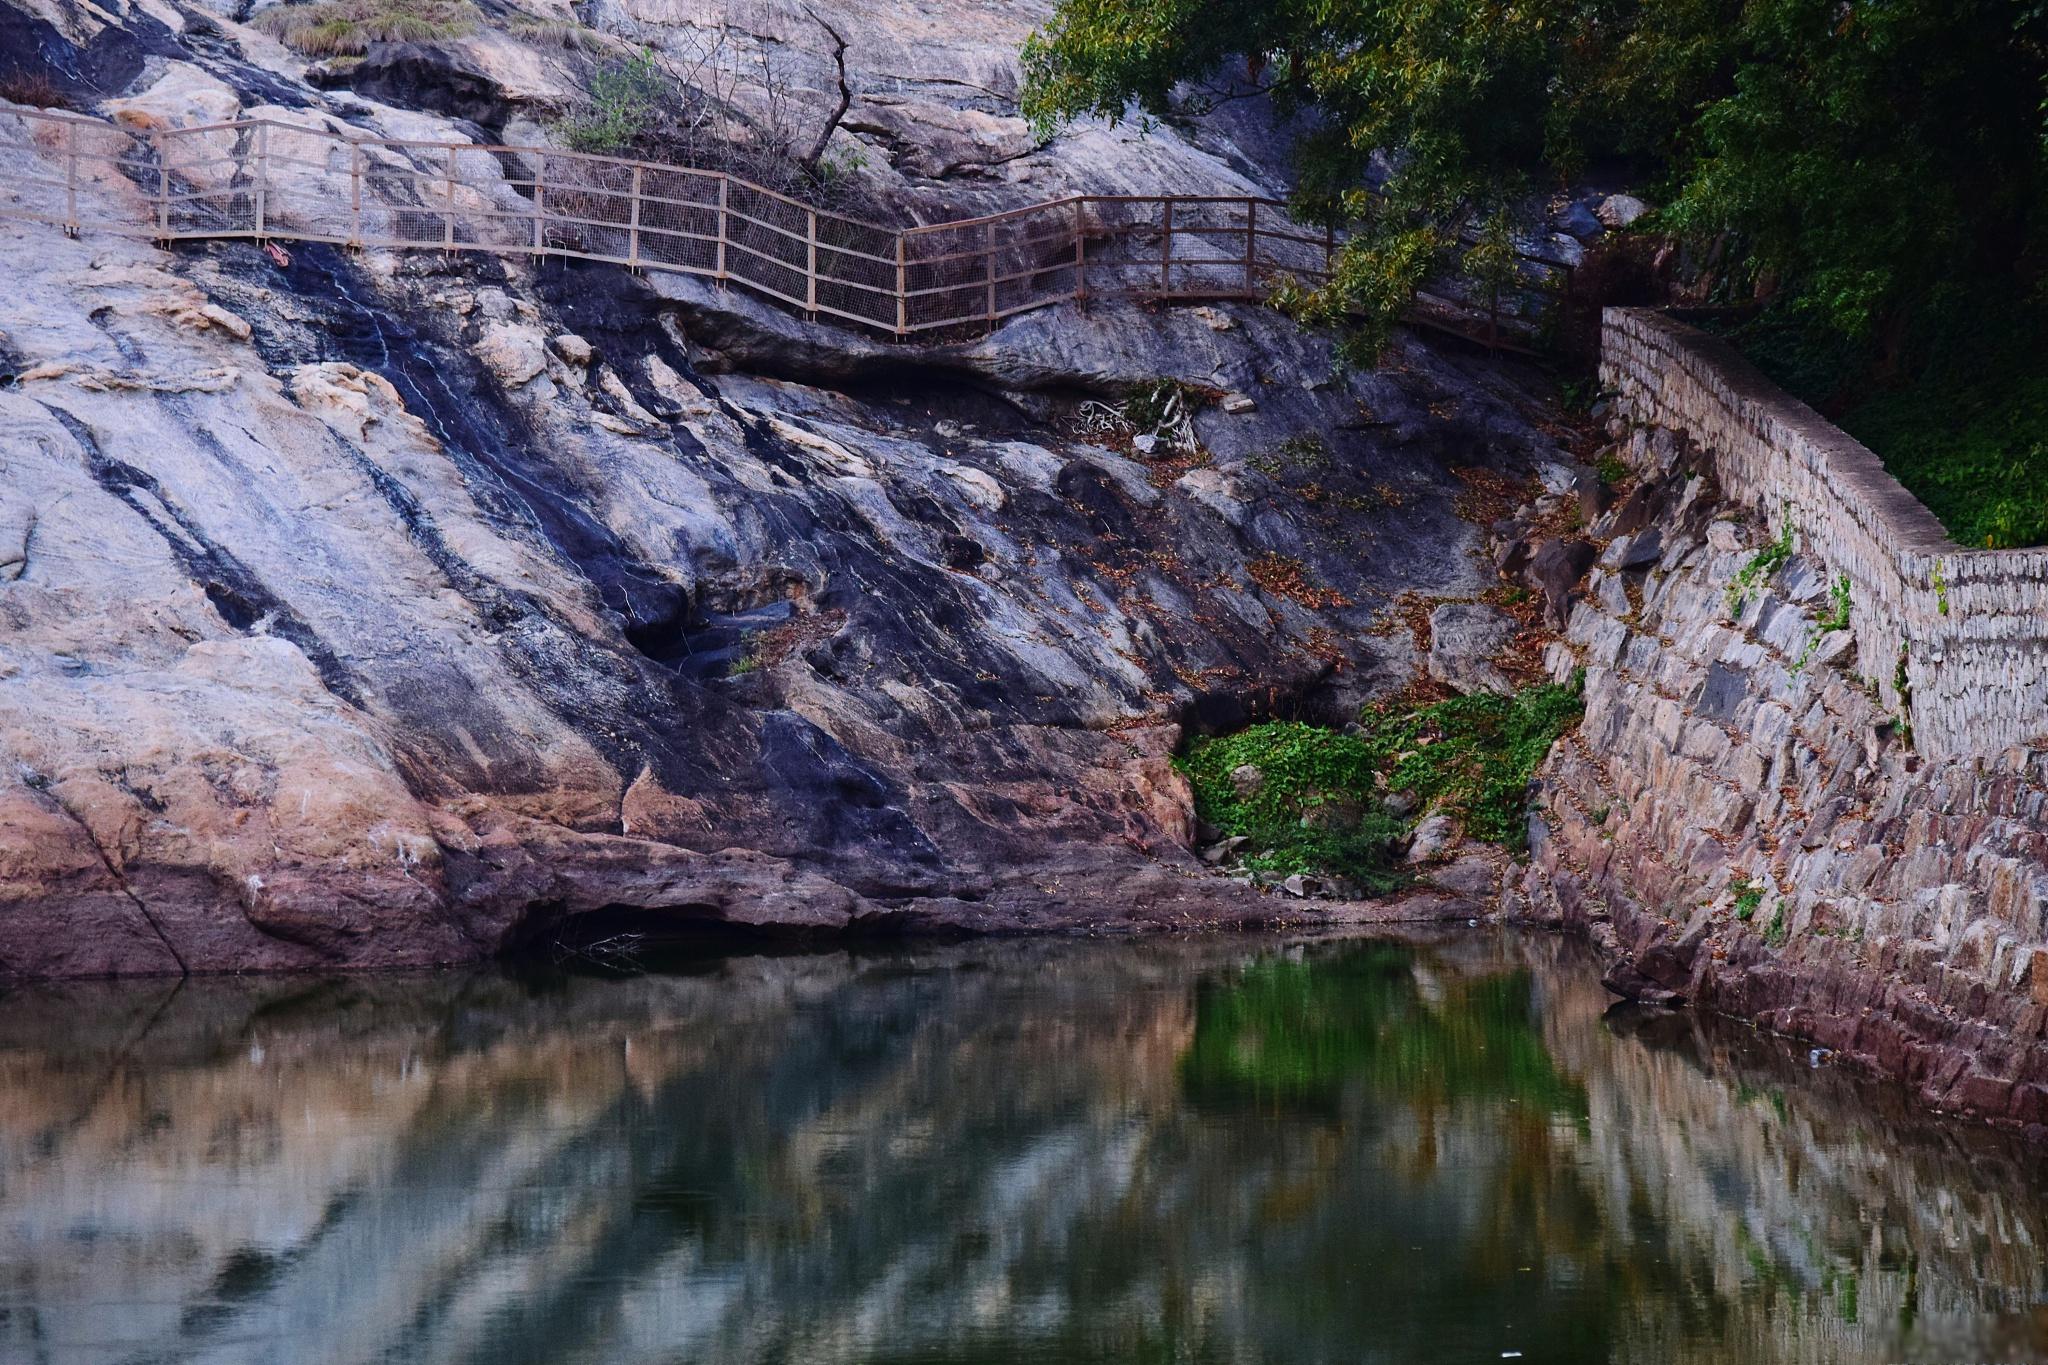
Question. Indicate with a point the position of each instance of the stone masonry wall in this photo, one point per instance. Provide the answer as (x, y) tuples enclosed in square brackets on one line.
[(1973, 623), (1740, 821)]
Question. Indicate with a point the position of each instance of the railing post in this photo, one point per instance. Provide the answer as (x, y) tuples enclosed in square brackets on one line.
[(988, 254), (1166, 245), (448, 204), (70, 179), (540, 204), (355, 195), (1080, 250), (163, 186), (724, 189), (811, 264), (902, 285), (633, 237), (1251, 246), (262, 174)]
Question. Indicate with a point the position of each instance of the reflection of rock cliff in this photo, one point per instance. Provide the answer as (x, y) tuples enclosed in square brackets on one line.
[(389, 610), (986, 1150)]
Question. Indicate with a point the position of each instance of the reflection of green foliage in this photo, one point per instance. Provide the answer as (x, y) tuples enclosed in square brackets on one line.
[(1299, 1031)]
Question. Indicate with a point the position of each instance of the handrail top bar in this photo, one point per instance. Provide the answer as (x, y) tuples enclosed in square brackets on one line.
[(492, 148), (838, 276), (66, 116), (596, 158), (1048, 205)]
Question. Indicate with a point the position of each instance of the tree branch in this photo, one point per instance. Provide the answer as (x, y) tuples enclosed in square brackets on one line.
[(817, 152)]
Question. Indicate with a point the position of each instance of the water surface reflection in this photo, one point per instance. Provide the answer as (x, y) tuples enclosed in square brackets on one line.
[(1399, 1150)]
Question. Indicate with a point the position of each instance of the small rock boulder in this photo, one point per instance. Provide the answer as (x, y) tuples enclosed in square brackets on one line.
[(1635, 511), (514, 352), (1224, 849), (1299, 885), (1554, 570), (1432, 838), (1512, 557), (1473, 875), (1247, 781), (1463, 639), (1610, 594), (1641, 552), (1579, 221), (1595, 495), (1620, 210)]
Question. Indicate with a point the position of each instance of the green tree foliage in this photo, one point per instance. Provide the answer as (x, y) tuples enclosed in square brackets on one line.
[(1863, 163)]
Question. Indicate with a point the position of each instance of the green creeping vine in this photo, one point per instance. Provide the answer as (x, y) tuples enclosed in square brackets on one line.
[(1903, 685), (1761, 566), (1940, 589), (1837, 619), (1315, 807)]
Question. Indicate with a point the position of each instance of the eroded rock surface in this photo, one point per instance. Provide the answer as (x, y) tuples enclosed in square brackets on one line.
[(377, 610)]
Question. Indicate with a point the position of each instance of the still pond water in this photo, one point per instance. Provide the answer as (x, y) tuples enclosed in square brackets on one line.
[(1407, 1150)]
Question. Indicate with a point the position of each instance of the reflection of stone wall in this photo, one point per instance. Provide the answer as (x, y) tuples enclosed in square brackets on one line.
[(975, 1149), (1978, 660), (1856, 1209)]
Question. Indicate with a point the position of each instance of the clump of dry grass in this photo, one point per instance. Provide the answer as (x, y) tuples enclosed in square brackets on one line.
[(556, 33), (347, 27), (34, 89)]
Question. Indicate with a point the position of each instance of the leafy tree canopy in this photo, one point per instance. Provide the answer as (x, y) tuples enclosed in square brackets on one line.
[(1866, 164)]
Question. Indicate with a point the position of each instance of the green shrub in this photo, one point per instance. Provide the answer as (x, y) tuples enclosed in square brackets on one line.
[(626, 98), (1473, 756), (1748, 896), (1964, 426), (1319, 804), (1760, 567), (1316, 808)]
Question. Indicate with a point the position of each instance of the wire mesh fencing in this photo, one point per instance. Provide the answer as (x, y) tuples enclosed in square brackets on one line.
[(268, 179)]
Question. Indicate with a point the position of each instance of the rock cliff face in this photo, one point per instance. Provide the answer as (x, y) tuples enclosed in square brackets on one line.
[(1743, 824), (377, 610)]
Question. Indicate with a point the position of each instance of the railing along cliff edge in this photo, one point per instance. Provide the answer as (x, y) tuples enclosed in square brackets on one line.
[(269, 179)]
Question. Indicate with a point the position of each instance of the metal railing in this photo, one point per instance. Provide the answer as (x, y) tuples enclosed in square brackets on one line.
[(266, 179)]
